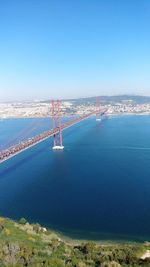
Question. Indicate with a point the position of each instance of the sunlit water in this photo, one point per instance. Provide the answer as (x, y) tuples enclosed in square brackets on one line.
[(97, 188)]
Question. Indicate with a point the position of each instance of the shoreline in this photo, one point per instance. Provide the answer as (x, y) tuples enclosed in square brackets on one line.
[(74, 237), (69, 115), (77, 237)]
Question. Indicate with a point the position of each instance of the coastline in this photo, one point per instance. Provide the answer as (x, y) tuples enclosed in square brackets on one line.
[(102, 238), (75, 237), (69, 115)]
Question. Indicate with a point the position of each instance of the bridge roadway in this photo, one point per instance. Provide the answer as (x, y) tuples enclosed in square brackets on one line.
[(21, 146)]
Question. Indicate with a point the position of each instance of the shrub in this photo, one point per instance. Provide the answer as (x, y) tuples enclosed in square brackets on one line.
[(22, 221)]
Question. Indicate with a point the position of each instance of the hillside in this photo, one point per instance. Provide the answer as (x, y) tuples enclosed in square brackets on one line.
[(137, 99), (24, 244)]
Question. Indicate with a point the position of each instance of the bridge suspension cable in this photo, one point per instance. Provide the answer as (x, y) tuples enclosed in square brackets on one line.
[(23, 134)]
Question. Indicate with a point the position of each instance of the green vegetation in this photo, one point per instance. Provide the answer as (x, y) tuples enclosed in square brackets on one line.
[(22, 221), (24, 244)]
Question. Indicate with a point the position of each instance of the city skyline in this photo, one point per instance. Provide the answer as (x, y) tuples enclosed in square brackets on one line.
[(73, 49)]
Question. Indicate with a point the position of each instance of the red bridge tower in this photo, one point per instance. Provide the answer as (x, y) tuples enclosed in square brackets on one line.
[(56, 124), (98, 110)]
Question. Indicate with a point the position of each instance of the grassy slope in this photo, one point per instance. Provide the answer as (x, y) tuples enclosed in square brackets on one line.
[(29, 245)]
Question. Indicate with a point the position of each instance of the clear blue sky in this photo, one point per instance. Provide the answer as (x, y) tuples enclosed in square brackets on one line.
[(73, 48)]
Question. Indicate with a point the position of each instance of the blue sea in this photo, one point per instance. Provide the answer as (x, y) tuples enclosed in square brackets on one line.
[(97, 188)]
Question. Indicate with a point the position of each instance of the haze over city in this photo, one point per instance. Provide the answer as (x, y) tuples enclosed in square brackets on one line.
[(70, 49)]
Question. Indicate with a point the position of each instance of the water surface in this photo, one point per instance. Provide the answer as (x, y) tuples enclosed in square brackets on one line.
[(98, 187)]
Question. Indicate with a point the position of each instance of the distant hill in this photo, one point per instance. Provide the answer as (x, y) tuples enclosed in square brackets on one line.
[(137, 99), (114, 99)]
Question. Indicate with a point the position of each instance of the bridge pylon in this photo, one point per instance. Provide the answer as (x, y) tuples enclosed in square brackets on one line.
[(98, 110), (56, 124)]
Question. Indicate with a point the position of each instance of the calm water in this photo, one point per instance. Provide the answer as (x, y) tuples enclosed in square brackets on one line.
[(98, 187)]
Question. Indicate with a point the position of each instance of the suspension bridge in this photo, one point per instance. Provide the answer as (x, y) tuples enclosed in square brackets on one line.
[(55, 132)]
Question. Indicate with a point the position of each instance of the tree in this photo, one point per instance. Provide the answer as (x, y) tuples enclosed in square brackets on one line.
[(22, 221)]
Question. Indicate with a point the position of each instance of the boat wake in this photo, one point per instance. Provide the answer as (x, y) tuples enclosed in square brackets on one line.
[(131, 148)]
